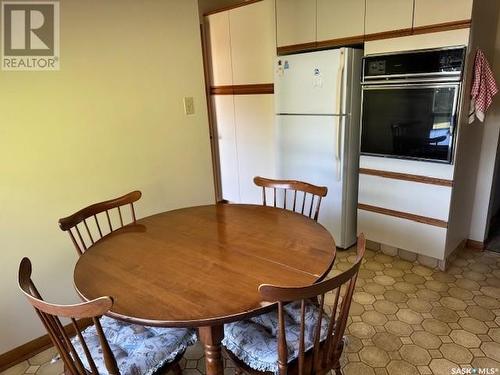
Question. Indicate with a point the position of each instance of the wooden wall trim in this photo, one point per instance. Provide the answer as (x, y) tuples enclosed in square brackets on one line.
[(446, 26), (388, 34), (229, 7), (283, 50), (214, 146), (474, 245), (254, 89), (360, 39), (407, 177), (29, 349), (340, 42), (404, 215)]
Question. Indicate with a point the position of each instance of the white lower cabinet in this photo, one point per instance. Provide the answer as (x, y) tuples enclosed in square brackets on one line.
[(402, 233), (246, 144), (432, 201), (415, 201)]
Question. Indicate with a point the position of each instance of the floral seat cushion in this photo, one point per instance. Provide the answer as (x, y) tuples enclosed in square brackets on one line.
[(255, 342), (138, 350)]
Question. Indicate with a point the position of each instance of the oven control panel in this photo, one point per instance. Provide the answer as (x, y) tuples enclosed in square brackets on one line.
[(430, 63)]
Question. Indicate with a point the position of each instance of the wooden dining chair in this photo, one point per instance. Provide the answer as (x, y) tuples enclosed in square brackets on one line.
[(300, 337), (106, 345), (84, 232), (297, 196)]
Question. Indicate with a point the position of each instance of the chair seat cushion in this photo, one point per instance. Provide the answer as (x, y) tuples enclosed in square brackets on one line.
[(138, 350), (255, 342)]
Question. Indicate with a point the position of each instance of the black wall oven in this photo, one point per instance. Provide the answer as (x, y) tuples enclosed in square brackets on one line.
[(410, 104)]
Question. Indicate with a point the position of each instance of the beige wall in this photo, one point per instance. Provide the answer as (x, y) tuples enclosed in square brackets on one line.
[(110, 121), (488, 146)]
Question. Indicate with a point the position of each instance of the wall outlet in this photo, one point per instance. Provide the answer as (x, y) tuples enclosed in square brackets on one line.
[(189, 105)]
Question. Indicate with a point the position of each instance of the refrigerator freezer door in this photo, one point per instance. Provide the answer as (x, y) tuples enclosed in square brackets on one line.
[(307, 152), (309, 83)]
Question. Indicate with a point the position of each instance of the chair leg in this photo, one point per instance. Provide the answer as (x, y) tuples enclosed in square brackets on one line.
[(336, 368), (176, 369)]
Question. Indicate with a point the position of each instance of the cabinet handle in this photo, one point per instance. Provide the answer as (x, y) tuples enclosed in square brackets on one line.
[(338, 108)]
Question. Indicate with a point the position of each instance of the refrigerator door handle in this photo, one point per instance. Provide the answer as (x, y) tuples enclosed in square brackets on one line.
[(338, 109)]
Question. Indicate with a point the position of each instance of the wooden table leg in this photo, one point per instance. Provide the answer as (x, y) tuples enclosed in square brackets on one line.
[(211, 337)]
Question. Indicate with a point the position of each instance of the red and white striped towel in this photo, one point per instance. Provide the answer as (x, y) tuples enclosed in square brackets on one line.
[(484, 88)]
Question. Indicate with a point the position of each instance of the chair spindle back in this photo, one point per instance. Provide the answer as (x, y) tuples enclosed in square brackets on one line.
[(324, 355), (79, 227), (297, 196), (50, 315)]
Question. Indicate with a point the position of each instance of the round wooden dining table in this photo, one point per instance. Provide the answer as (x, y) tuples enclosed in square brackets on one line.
[(201, 267)]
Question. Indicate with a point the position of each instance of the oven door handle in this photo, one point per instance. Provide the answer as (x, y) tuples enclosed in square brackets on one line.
[(406, 85)]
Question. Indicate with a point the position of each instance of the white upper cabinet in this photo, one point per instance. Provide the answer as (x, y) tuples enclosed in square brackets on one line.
[(389, 15), (219, 45), (340, 19), (431, 12), (252, 30), (325, 21), (295, 22)]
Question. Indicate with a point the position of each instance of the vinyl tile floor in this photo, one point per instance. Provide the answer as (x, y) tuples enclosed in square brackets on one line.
[(405, 319)]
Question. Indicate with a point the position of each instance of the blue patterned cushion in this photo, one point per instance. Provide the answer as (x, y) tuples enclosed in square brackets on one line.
[(138, 350), (255, 342)]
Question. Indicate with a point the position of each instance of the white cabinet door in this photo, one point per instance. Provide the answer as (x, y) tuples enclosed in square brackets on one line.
[(255, 143), (219, 46), (295, 22), (402, 233), (431, 12), (406, 196), (388, 15), (228, 155), (340, 19), (253, 43)]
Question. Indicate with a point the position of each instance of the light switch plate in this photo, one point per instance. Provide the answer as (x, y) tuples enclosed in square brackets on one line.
[(189, 105)]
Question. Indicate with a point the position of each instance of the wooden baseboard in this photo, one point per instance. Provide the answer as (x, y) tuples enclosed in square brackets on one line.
[(474, 245), (23, 352), (29, 349), (443, 265)]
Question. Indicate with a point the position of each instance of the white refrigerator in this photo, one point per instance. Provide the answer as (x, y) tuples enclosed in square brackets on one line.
[(318, 103)]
